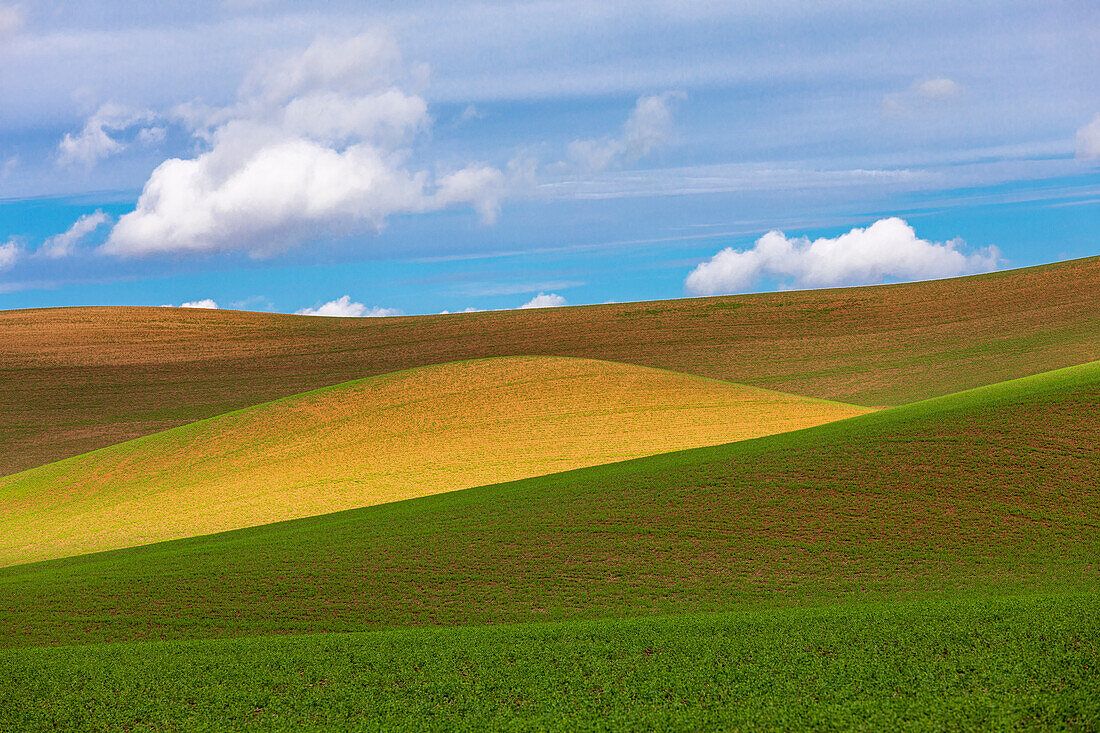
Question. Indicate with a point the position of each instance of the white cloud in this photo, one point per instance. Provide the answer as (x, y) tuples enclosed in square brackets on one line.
[(64, 244), (1088, 140), (99, 138), (887, 250), (344, 307), (10, 252), (646, 129), (545, 300), (207, 303), (925, 94), (313, 148), (481, 185), (469, 309), (11, 20)]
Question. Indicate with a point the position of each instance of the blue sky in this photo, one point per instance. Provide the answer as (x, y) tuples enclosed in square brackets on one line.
[(425, 156)]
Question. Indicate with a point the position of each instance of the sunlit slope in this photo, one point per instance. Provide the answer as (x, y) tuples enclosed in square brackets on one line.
[(995, 489), (76, 379), (377, 440)]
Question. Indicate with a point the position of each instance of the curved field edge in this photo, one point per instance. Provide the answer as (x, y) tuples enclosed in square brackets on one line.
[(412, 433), (947, 664), (79, 379), (992, 490)]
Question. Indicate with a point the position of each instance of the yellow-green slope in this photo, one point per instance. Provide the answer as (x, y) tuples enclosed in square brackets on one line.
[(378, 440)]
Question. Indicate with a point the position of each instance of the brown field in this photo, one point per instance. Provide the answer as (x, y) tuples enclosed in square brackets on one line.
[(379, 440), (76, 379)]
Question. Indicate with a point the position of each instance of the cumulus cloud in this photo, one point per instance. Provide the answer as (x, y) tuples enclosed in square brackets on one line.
[(545, 300), (102, 136), (205, 303), (10, 252), (1088, 140), (922, 94), (345, 307), (64, 244), (11, 20), (646, 129), (315, 146), (887, 250)]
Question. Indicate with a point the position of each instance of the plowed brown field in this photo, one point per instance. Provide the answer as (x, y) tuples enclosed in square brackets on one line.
[(76, 379)]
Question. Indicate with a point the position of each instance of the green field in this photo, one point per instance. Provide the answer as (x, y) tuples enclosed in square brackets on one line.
[(1026, 662), (931, 565), (991, 490)]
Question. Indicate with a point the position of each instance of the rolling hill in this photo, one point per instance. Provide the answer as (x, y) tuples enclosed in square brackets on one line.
[(377, 440), (988, 491), (77, 379)]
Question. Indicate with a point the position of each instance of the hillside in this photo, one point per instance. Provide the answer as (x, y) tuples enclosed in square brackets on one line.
[(77, 379), (1023, 662), (991, 490), (378, 440)]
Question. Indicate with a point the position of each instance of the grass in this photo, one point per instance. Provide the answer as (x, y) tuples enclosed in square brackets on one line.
[(1026, 662), (77, 379), (377, 440), (993, 490)]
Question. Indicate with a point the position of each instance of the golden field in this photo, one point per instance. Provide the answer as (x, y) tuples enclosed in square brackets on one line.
[(377, 440)]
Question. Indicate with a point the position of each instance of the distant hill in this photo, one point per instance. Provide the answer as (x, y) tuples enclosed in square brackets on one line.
[(76, 379), (992, 490), (381, 439)]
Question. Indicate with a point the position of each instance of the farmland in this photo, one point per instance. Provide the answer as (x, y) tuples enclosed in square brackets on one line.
[(1008, 662), (379, 440), (560, 541), (988, 491), (78, 379)]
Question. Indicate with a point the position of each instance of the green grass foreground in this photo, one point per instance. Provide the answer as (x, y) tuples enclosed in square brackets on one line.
[(1030, 662)]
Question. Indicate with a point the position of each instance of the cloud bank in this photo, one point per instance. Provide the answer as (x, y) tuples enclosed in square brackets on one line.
[(344, 307), (888, 250), (545, 300), (317, 145), (648, 128)]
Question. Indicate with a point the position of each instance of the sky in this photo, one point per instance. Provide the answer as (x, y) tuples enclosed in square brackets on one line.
[(387, 158)]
